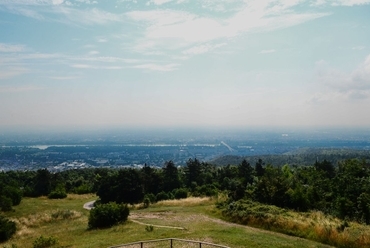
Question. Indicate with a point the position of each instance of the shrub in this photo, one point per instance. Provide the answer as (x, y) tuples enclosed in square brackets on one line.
[(83, 189), (44, 242), (5, 203), (57, 195), (151, 197), (149, 228), (146, 202), (107, 215), (180, 193), (161, 196), (7, 229)]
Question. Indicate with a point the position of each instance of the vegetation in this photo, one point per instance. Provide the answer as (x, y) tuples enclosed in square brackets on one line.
[(44, 242), (7, 229), (107, 215), (198, 218), (259, 195)]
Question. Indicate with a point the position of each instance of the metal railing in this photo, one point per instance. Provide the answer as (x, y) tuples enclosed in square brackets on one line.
[(171, 243)]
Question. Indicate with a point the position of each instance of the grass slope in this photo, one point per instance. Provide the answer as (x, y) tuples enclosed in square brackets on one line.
[(66, 220)]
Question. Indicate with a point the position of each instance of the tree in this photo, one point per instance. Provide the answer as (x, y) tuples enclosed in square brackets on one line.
[(259, 168), (42, 184), (325, 166), (245, 171), (171, 178), (125, 186), (193, 172)]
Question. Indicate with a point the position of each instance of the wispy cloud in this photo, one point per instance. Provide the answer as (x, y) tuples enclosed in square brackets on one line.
[(338, 85), (358, 48), (9, 48), (174, 29), (65, 77), (350, 2), (60, 11), (158, 2), (339, 2), (9, 72), (202, 49), (157, 67)]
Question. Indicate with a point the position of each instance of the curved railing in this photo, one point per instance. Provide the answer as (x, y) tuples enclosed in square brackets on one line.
[(171, 243)]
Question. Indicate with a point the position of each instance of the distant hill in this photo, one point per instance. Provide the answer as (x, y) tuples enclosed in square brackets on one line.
[(302, 156)]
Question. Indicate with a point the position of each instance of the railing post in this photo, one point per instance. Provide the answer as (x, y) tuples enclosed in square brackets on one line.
[(141, 245), (200, 244), (171, 243)]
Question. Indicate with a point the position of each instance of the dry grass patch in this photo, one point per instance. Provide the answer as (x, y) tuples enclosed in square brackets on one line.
[(190, 201)]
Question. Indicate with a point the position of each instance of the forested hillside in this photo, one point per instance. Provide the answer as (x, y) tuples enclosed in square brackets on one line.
[(302, 156)]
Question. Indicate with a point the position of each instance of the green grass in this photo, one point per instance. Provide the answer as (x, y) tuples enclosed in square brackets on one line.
[(199, 217)]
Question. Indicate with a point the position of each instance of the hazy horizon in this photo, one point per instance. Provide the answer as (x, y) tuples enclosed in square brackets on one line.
[(81, 64)]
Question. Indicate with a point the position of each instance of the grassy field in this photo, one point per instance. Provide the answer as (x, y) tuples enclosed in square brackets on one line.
[(66, 220)]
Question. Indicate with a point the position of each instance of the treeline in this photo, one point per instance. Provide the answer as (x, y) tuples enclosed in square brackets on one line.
[(342, 190)]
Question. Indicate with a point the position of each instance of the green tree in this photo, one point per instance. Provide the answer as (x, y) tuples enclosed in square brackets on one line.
[(171, 179)]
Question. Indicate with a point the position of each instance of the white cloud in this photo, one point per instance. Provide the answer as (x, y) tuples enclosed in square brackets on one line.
[(9, 72), (62, 11), (89, 16), (100, 67), (93, 52), (9, 48), (350, 2), (340, 2), (157, 67), (337, 85), (64, 77), (173, 29), (158, 2), (202, 49), (358, 48)]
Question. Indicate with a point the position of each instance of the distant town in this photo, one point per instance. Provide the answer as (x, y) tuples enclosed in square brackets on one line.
[(136, 149)]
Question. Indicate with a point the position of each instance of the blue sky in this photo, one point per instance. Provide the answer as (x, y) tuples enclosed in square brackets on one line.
[(234, 63)]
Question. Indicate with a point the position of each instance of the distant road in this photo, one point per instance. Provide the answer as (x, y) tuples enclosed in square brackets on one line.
[(228, 147), (89, 205)]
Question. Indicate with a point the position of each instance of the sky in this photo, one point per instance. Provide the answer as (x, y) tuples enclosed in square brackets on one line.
[(178, 63)]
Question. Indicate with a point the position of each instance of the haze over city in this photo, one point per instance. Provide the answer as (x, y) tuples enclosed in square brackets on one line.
[(206, 63)]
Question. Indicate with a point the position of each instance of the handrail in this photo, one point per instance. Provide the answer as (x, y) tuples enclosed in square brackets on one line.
[(141, 243)]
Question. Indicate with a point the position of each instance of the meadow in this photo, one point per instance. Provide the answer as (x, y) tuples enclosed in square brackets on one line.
[(191, 218)]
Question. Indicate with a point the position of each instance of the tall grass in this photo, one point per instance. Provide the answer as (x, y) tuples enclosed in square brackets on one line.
[(312, 225)]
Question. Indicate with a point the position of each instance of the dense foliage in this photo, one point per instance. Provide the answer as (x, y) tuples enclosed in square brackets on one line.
[(107, 215), (342, 190), (7, 228)]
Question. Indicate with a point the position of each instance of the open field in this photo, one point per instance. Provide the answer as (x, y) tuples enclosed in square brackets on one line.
[(66, 220)]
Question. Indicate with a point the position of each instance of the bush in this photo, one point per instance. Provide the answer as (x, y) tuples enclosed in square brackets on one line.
[(5, 203), (107, 215), (57, 195), (180, 193), (151, 197), (149, 228), (162, 196), (7, 229), (146, 202), (44, 242), (83, 189)]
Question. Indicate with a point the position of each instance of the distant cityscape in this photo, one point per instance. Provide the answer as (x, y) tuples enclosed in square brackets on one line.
[(58, 152)]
